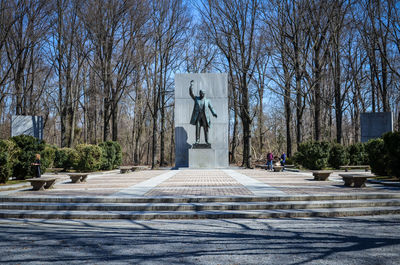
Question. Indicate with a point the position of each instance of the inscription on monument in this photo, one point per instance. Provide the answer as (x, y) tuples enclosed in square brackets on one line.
[(374, 124)]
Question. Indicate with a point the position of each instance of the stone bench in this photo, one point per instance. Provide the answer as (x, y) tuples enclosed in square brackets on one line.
[(354, 180), (321, 175), (278, 168), (42, 183), (137, 168), (78, 177), (346, 168), (126, 169)]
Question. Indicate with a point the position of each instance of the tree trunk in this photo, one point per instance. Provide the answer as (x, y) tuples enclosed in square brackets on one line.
[(317, 96), (234, 131), (246, 123), (288, 119), (338, 96), (162, 129), (114, 120), (299, 101), (384, 93), (106, 120), (286, 102)]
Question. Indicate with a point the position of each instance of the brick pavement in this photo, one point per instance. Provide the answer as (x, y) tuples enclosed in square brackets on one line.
[(304, 183), (200, 183), (103, 185)]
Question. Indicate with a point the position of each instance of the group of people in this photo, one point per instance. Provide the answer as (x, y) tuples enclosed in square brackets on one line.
[(270, 160)]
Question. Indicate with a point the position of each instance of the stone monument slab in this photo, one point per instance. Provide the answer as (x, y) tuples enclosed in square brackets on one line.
[(202, 158), (215, 87), (27, 125), (374, 124)]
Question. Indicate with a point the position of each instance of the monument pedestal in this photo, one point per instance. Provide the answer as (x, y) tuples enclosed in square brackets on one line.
[(202, 158)]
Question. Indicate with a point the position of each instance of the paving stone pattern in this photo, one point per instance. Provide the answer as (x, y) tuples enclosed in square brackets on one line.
[(103, 185), (200, 183), (304, 183)]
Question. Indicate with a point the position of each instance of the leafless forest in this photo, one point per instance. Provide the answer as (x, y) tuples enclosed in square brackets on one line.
[(104, 69)]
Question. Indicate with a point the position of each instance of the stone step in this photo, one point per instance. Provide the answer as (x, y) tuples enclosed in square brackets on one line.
[(148, 215), (199, 199), (207, 206)]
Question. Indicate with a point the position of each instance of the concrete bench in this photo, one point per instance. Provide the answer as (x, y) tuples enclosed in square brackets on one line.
[(321, 175), (354, 180), (124, 170), (42, 183), (78, 177), (278, 168), (346, 168)]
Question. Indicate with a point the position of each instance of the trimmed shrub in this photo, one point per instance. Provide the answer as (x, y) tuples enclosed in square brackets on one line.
[(377, 156), (8, 155), (338, 156), (66, 158), (313, 155), (289, 161), (392, 148), (5, 167), (29, 146), (111, 155), (358, 155), (89, 157), (48, 155)]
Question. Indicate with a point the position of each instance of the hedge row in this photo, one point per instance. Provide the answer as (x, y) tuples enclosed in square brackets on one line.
[(382, 154), (18, 153)]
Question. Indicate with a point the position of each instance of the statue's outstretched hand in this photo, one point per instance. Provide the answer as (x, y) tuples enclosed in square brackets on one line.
[(215, 115)]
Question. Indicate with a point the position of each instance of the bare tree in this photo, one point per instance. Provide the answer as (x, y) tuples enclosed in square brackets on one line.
[(112, 26), (168, 24), (24, 36), (233, 28)]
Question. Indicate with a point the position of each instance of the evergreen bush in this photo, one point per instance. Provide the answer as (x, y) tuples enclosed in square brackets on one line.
[(66, 158), (338, 156), (377, 156), (89, 157), (48, 155), (289, 161), (313, 155), (392, 148), (111, 155), (8, 155), (358, 155), (29, 146)]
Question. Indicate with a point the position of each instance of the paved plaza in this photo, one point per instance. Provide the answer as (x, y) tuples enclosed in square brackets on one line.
[(344, 240), (224, 182)]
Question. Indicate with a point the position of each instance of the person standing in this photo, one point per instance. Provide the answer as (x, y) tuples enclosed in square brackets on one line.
[(36, 166), (270, 161), (283, 159)]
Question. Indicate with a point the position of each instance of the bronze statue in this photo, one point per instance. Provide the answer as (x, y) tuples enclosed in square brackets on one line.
[(201, 113)]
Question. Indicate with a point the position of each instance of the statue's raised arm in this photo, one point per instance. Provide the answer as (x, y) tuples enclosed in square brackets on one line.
[(191, 89)]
